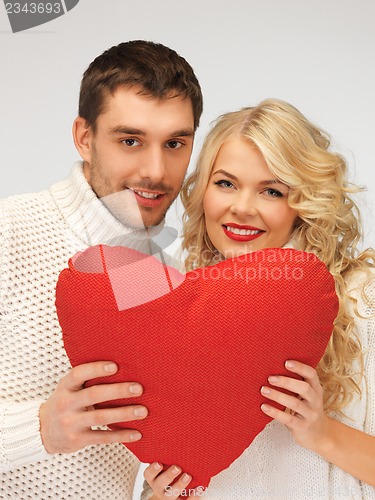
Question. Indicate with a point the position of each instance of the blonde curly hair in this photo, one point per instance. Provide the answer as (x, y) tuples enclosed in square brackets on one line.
[(328, 224)]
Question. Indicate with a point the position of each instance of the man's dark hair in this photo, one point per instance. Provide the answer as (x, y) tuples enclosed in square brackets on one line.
[(158, 70)]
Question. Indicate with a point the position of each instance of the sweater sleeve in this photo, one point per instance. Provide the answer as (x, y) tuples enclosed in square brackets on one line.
[(20, 440)]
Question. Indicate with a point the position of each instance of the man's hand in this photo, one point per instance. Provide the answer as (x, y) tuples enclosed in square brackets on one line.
[(67, 416)]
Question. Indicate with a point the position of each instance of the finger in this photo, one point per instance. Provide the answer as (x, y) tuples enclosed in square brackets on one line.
[(281, 416), (109, 392), (163, 488), (152, 471), (306, 372), (179, 487), (162, 484), (91, 437), (291, 402), (94, 418), (300, 387), (78, 375)]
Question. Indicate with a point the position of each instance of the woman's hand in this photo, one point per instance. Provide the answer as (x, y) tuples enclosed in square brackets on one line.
[(161, 481), (304, 414)]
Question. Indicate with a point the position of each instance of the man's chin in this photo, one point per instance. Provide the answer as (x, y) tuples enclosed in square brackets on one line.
[(140, 220), (151, 220)]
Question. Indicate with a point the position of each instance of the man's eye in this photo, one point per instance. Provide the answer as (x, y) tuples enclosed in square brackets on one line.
[(131, 142), (174, 144)]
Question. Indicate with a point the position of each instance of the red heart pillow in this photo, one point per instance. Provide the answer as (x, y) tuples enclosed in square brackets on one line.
[(201, 351)]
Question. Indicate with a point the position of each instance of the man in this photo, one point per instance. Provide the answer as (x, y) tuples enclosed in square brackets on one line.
[(140, 104)]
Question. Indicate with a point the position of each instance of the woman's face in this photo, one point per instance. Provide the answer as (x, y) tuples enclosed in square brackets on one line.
[(245, 206)]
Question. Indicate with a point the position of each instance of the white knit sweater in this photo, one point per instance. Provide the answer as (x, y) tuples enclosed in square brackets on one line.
[(275, 467), (38, 234)]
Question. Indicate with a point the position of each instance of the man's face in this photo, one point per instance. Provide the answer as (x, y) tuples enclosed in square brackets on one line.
[(141, 148)]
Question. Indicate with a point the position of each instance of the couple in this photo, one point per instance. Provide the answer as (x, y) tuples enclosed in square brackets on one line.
[(264, 179)]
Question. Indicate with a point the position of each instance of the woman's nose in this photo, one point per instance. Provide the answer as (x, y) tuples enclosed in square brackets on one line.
[(244, 206)]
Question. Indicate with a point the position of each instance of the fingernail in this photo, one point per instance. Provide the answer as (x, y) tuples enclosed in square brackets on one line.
[(135, 436), (289, 364), (140, 412), (273, 379), (176, 470), (265, 408), (135, 389), (265, 390), (185, 478), (157, 466), (110, 368)]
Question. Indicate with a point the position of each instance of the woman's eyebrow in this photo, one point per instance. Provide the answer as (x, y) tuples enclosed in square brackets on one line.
[(227, 174), (262, 183), (272, 181)]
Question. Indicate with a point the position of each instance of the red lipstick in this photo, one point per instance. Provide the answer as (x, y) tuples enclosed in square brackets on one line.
[(251, 232)]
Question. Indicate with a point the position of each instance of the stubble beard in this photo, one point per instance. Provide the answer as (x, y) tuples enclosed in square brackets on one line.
[(122, 203)]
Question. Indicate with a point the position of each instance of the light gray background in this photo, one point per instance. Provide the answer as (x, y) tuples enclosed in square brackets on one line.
[(317, 54)]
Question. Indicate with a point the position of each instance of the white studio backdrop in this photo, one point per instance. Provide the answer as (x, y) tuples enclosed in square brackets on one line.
[(318, 55)]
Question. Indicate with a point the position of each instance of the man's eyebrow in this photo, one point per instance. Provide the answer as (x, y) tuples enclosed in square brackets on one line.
[(123, 129), (186, 132), (127, 130)]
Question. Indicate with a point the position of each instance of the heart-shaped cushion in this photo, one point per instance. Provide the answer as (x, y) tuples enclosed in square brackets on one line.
[(202, 348)]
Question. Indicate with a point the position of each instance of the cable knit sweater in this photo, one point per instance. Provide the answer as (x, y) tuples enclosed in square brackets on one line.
[(275, 467), (38, 234)]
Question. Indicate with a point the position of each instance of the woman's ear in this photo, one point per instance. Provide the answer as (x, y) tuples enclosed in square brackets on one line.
[(82, 136)]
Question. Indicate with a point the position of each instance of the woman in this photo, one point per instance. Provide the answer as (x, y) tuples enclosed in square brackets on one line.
[(265, 178)]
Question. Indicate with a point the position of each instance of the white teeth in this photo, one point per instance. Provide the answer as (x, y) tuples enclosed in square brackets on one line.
[(151, 196), (243, 232)]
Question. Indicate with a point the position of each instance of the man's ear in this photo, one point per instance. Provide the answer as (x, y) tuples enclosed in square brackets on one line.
[(82, 136)]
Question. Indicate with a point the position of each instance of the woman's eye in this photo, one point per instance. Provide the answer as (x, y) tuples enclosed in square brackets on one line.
[(224, 183), (131, 142), (174, 144), (274, 193)]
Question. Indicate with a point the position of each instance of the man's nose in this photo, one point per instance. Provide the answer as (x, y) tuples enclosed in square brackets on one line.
[(153, 167)]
